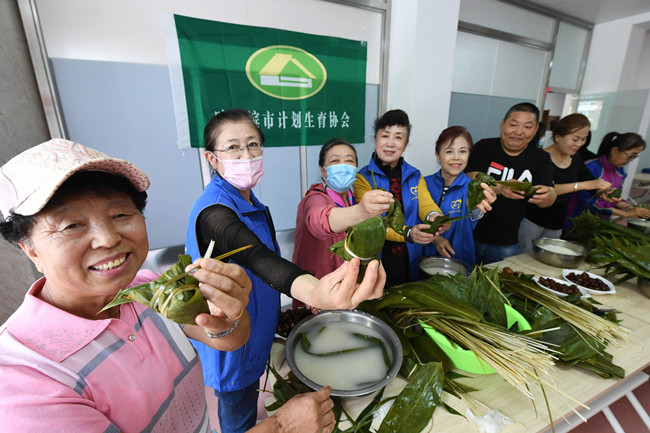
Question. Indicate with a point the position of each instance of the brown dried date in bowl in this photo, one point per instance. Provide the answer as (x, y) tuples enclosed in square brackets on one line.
[(290, 318), (585, 280), (557, 286)]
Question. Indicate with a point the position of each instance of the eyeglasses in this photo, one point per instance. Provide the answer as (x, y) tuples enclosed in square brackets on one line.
[(234, 149), (631, 157)]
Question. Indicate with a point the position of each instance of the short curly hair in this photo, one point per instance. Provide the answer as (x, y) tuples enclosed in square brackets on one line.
[(17, 228)]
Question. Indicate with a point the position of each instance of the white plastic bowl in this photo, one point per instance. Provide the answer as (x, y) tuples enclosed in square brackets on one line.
[(611, 291)]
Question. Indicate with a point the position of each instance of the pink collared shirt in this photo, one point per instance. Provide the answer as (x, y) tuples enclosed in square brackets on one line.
[(63, 373)]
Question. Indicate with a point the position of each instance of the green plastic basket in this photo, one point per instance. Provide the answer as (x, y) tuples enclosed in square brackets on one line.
[(467, 360)]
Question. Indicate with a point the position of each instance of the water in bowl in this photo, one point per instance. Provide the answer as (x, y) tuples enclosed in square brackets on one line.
[(341, 357), (558, 249)]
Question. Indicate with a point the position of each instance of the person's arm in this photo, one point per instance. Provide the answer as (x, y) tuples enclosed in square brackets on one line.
[(543, 179), (226, 287), (305, 413), (373, 203), (586, 180), (626, 210), (584, 185), (336, 290), (361, 187), (428, 209), (339, 289), (222, 224)]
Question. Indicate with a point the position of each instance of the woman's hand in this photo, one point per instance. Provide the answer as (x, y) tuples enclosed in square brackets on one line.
[(305, 413), (443, 247), (544, 197), (339, 290), (375, 202), (424, 238), (508, 193), (598, 184), (636, 212), (226, 288), (490, 196)]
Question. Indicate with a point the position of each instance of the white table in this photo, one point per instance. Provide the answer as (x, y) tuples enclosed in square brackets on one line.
[(583, 386)]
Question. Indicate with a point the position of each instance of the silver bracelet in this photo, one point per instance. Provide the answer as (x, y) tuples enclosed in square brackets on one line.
[(222, 333)]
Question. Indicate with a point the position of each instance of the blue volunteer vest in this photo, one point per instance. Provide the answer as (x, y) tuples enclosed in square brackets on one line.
[(231, 371), (410, 178), (460, 235)]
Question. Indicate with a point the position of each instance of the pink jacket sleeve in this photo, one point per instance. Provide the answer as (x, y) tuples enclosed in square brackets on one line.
[(317, 211)]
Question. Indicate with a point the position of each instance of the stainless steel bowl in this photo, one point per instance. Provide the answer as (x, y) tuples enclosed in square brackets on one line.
[(433, 265), (546, 251), (639, 224), (394, 347), (643, 285)]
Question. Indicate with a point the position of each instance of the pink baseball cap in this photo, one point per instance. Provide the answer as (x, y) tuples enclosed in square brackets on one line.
[(29, 180)]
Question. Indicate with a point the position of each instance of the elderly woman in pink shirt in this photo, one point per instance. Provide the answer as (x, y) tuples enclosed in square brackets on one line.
[(67, 364), (328, 209)]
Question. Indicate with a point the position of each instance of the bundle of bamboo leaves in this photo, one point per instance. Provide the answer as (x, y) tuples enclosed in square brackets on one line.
[(472, 313), (580, 330), (621, 251)]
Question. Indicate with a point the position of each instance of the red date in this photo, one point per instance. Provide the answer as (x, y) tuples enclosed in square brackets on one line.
[(588, 282), (557, 286)]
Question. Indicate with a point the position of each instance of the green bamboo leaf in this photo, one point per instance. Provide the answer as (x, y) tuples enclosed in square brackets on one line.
[(426, 350), (526, 187), (415, 404), (440, 221), (475, 192), (364, 241), (175, 294)]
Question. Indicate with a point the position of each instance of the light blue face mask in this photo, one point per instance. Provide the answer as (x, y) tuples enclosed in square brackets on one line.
[(340, 177)]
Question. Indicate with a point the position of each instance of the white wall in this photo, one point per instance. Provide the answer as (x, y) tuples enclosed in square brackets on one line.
[(131, 31), (642, 79), (608, 53), (618, 57), (421, 62)]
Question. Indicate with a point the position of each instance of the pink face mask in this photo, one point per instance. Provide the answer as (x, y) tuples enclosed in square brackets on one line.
[(243, 174)]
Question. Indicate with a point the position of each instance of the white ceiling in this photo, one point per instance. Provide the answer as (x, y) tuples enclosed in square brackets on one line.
[(595, 11)]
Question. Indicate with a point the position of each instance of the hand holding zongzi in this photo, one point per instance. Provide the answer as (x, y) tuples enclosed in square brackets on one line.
[(375, 202), (544, 196), (489, 197), (420, 233), (339, 290), (226, 287)]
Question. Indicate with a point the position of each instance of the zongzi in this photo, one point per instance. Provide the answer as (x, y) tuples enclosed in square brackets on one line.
[(175, 294)]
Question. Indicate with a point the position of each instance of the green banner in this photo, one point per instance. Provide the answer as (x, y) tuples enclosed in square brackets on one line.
[(302, 89)]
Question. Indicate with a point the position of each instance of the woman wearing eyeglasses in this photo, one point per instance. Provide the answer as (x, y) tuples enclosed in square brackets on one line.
[(615, 151), (229, 213)]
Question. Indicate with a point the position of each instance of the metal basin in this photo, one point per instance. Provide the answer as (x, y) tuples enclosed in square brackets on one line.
[(433, 265), (639, 224), (317, 321), (643, 285), (558, 252)]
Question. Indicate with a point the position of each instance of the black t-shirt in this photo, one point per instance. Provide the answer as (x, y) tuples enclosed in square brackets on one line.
[(553, 217), (501, 225)]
